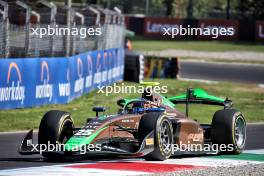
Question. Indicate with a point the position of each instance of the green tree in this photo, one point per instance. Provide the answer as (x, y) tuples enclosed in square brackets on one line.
[(179, 8), (250, 8)]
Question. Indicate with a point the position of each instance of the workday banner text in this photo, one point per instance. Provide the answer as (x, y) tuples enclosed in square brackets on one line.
[(29, 82)]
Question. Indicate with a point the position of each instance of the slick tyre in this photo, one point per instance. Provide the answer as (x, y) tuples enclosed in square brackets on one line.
[(229, 128), (56, 127), (163, 135)]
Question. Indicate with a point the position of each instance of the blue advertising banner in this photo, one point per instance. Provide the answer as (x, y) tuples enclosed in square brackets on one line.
[(29, 82)]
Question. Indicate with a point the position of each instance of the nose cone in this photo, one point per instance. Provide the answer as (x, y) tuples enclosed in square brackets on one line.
[(74, 143), (77, 141)]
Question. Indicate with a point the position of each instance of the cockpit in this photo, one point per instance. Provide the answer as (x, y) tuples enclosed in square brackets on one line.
[(140, 106)]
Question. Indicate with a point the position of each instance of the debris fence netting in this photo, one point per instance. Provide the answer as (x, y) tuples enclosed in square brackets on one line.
[(18, 40)]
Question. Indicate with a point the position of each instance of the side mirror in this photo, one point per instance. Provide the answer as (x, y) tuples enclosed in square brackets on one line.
[(98, 109), (228, 103), (190, 93)]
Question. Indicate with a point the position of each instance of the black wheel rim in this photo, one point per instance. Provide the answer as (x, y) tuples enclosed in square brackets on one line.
[(165, 137)]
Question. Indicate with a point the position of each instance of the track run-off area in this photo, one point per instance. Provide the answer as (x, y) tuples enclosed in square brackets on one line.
[(140, 166), (11, 163)]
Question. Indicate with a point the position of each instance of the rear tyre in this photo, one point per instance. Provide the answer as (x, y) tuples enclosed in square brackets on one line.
[(163, 135), (56, 127), (229, 128)]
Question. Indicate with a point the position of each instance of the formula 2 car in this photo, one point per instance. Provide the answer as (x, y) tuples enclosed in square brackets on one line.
[(149, 127)]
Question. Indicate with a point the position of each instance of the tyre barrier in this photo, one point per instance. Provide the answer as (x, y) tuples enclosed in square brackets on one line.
[(134, 66)]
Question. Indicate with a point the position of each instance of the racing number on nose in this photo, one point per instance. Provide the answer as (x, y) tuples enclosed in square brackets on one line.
[(84, 132)]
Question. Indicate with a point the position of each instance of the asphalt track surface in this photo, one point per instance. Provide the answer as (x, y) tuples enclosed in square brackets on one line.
[(9, 142), (222, 71), (10, 158)]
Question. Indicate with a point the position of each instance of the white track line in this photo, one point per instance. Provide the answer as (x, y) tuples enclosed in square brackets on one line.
[(17, 132), (219, 62), (63, 171), (261, 85), (257, 151), (199, 80)]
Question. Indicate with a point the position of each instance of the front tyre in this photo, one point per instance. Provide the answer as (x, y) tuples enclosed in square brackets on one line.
[(56, 127), (229, 127), (163, 135)]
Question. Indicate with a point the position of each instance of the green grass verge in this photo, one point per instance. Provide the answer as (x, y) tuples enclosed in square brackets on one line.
[(151, 45), (247, 97)]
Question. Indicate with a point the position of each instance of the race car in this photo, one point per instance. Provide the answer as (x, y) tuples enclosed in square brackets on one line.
[(149, 127)]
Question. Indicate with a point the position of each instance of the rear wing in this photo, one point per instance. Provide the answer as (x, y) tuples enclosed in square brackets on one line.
[(199, 96)]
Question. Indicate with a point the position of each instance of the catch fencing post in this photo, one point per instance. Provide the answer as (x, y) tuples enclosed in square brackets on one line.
[(27, 24), (51, 22), (120, 26), (34, 41), (107, 22), (97, 24), (4, 13), (67, 44), (81, 16)]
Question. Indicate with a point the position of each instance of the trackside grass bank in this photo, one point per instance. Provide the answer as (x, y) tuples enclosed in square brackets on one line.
[(248, 98)]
